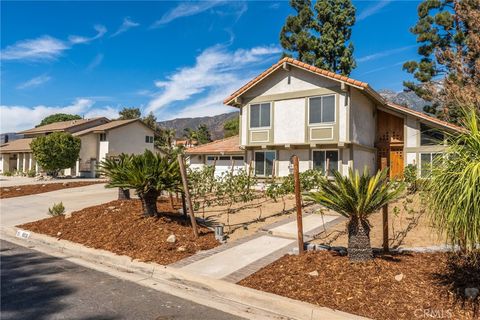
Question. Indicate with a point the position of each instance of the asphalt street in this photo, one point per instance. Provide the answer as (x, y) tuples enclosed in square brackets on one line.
[(38, 286)]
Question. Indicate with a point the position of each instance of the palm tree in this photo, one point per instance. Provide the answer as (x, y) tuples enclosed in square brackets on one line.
[(453, 190), (148, 174), (114, 168), (356, 197)]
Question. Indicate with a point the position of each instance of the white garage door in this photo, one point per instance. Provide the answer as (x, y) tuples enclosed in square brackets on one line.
[(224, 163)]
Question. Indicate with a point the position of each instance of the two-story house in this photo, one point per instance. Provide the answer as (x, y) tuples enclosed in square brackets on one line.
[(324, 118), (100, 138)]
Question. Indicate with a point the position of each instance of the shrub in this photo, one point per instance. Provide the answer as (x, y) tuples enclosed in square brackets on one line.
[(56, 210), (56, 151), (410, 178), (31, 173), (8, 173)]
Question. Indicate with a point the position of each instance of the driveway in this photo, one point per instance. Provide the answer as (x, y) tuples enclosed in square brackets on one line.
[(38, 286), (21, 181), (18, 210)]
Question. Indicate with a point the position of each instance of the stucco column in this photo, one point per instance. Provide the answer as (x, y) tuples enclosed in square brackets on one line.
[(18, 161), (30, 161), (37, 167), (77, 168), (24, 162)]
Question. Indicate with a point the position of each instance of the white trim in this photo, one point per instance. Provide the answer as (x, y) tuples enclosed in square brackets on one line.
[(249, 118), (334, 110), (312, 128), (255, 131)]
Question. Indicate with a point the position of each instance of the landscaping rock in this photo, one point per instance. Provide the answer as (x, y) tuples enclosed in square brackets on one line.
[(59, 234), (181, 249), (65, 184), (171, 238), (313, 273), (471, 293), (6, 190), (399, 277), (68, 215), (18, 189), (111, 207)]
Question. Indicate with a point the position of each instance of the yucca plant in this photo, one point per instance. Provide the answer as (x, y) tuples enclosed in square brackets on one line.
[(453, 190), (113, 168), (148, 174), (356, 197)]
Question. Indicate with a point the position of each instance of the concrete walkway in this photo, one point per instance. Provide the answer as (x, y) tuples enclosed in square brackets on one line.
[(21, 181), (235, 261), (18, 210)]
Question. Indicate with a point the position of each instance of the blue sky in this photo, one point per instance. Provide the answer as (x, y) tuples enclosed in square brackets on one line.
[(176, 59)]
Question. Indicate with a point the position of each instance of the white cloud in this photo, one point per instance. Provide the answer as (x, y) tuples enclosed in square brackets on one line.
[(95, 62), (202, 87), (371, 10), (187, 9), (46, 48), (34, 82), (17, 118), (126, 25), (382, 54), (101, 30), (42, 48)]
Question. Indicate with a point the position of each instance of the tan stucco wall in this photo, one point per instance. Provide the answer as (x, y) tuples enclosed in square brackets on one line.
[(129, 139), (89, 147), (362, 119)]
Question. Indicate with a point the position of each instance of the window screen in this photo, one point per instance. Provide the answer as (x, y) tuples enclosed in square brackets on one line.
[(322, 109), (260, 115)]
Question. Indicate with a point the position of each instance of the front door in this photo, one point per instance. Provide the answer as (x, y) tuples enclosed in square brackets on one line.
[(396, 163)]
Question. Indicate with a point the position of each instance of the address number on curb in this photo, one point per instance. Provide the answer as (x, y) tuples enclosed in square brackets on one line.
[(23, 234)]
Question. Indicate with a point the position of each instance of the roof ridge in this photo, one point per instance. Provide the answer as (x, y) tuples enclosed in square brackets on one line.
[(218, 140)]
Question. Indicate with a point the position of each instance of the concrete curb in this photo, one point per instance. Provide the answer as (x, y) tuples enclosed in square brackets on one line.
[(218, 294)]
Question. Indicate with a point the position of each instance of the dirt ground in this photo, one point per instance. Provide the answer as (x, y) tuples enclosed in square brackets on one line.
[(415, 286), (409, 226), (119, 227), (247, 218), (29, 189)]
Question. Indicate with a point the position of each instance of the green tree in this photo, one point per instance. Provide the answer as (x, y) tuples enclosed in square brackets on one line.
[(57, 117), (321, 38), (203, 134), (114, 168), (148, 174), (231, 127), (56, 151), (453, 188), (356, 197), (151, 121), (335, 19), (296, 36), (448, 69), (129, 113)]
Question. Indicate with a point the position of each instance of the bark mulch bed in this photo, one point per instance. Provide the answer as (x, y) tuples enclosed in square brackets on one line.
[(29, 189), (118, 226), (433, 284)]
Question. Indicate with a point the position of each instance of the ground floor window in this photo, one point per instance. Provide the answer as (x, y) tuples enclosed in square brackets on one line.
[(426, 162), (322, 158), (214, 159), (264, 162)]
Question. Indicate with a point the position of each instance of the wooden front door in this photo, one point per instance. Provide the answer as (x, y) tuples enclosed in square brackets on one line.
[(396, 163), (389, 143)]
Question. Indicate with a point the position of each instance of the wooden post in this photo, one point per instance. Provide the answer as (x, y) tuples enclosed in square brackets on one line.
[(170, 195), (183, 171), (184, 206), (385, 214), (298, 203), (273, 168)]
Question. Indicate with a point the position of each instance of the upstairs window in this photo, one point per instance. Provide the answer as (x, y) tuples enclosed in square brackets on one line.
[(260, 115), (430, 136), (321, 109), (148, 139), (103, 137)]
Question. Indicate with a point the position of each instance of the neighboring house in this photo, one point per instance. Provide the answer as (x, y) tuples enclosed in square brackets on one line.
[(324, 118), (184, 143), (224, 154), (100, 138)]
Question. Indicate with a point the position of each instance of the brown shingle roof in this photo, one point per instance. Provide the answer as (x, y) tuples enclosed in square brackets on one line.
[(19, 145), (229, 145), (58, 126), (106, 126)]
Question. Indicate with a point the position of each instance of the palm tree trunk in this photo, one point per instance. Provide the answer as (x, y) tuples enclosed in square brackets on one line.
[(359, 248), (123, 194), (149, 203)]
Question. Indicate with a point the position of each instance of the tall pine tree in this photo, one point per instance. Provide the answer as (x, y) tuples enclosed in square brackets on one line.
[(296, 36), (335, 19), (447, 73), (321, 38)]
